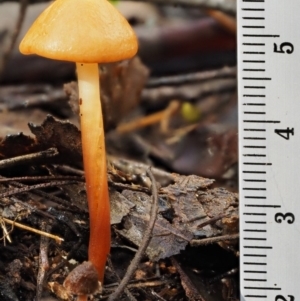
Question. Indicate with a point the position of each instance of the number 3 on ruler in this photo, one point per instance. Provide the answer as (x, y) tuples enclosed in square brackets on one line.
[(281, 298), (289, 217)]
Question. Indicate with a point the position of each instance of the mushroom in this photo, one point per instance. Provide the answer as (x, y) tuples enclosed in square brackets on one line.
[(82, 281), (87, 32)]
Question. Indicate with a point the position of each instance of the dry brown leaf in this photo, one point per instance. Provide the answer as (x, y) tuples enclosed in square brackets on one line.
[(184, 206)]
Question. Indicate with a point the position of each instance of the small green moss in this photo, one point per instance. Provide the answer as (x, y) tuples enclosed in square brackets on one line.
[(114, 2), (190, 112)]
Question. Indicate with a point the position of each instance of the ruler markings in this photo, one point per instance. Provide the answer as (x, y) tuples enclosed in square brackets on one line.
[(254, 213), (253, 9), (258, 247), (255, 272), (254, 146), (254, 44), (254, 87), (253, 52), (262, 121), (255, 255), (254, 238), (253, 18), (255, 130), (262, 206), (257, 78), (256, 189), (255, 70), (254, 112), (261, 36), (262, 288), (253, 104), (255, 222), (254, 95), (254, 138), (254, 155), (254, 172), (254, 180), (255, 263), (253, 230), (256, 296), (257, 163), (253, 26), (254, 61), (254, 279), (259, 200)]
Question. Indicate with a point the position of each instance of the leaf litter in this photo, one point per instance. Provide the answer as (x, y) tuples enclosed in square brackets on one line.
[(188, 206)]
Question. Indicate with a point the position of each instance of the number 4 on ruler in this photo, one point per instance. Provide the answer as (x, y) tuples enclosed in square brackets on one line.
[(285, 133)]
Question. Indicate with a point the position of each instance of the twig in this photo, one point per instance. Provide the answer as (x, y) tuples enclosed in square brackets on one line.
[(21, 226), (13, 38), (211, 240), (141, 122), (5, 232), (14, 191), (212, 220), (127, 292), (139, 284), (30, 158), (131, 167), (42, 178), (191, 290), (41, 193), (228, 22), (144, 243), (43, 261), (191, 77), (190, 91), (128, 186), (224, 5)]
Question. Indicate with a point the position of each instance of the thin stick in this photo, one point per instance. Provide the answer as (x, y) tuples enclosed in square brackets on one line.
[(210, 240), (228, 22), (144, 243), (42, 178), (36, 231), (180, 79), (13, 37), (126, 290), (30, 158), (224, 5), (15, 191), (43, 261), (161, 116)]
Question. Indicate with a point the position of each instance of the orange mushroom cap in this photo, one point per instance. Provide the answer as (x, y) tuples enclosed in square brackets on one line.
[(83, 31)]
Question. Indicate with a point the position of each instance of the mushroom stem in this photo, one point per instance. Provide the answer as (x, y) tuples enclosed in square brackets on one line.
[(94, 159)]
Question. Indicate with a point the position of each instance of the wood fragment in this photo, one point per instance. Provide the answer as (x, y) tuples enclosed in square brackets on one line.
[(36, 231)]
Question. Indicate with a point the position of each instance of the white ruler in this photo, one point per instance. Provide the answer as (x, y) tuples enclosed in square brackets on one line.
[(269, 146)]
